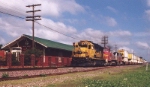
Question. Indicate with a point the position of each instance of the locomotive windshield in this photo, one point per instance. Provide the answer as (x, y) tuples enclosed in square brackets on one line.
[(83, 45)]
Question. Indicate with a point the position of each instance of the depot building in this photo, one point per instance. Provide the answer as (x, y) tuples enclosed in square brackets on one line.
[(48, 47)]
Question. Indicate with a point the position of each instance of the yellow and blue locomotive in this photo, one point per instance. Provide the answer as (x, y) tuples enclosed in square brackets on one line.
[(87, 53)]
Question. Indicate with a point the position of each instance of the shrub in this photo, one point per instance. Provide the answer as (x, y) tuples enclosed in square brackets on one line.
[(14, 60), (43, 75), (29, 52), (26, 75), (1, 46), (5, 75)]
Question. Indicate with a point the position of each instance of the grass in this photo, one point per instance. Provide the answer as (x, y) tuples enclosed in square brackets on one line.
[(111, 77), (123, 78), (134, 78)]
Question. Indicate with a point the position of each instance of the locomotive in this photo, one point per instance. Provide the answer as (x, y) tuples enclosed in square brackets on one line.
[(87, 53)]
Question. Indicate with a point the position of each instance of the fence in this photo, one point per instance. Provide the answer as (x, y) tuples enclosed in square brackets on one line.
[(33, 62)]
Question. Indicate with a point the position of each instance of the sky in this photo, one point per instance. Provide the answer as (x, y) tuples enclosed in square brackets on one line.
[(125, 22)]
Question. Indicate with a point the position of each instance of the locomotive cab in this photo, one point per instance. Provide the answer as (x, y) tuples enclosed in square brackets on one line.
[(86, 52), (81, 49), (85, 49)]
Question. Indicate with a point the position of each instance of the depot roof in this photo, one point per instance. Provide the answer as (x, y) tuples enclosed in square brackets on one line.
[(44, 42)]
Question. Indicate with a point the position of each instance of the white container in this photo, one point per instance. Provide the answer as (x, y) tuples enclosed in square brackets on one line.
[(124, 54)]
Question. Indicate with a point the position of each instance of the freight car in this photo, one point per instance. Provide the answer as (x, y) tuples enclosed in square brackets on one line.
[(2, 57), (87, 53), (130, 58), (125, 57), (112, 58), (14, 50), (117, 58)]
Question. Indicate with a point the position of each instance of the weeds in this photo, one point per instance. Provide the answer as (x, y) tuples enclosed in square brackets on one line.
[(5, 75), (43, 75), (26, 75)]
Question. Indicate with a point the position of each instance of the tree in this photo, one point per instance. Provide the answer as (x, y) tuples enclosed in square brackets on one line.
[(1, 46), (29, 52), (15, 62)]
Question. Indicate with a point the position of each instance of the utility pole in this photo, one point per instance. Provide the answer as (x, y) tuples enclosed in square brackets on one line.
[(116, 48), (104, 40), (147, 62), (33, 18), (133, 56)]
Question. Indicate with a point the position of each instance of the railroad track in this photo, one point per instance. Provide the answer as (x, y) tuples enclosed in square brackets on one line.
[(22, 74)]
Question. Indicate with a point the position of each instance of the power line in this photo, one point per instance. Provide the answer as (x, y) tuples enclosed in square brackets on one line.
[(38, 23), (54, 30), (9, 10), (12, 15), (42, 25), (116, 48)]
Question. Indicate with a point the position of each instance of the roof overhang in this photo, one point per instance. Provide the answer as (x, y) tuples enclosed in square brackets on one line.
[(37, 42), (19, 39)]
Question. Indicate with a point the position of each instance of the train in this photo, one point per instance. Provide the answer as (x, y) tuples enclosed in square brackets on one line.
[(2, 55), (87, 53)]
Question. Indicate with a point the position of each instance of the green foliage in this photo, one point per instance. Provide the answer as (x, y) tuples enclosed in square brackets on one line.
[(69, 71), (1, 46), (36, 52), (43, 75), (137, 78), (14, 60), (28, 54), (26, 75), (5, 75)]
